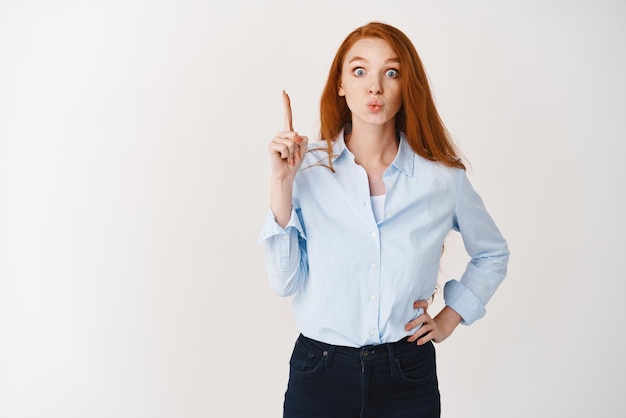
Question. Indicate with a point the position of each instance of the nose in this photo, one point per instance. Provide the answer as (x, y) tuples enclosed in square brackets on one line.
[(375, 86)]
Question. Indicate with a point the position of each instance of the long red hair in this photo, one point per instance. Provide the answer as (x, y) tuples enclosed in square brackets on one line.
[(418, 118)]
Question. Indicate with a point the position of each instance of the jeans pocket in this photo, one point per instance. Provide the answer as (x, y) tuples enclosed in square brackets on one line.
[(305, 359), (418, 365)]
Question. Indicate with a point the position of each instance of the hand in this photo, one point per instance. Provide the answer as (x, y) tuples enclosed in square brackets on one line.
[(287, 148), (436, 329)]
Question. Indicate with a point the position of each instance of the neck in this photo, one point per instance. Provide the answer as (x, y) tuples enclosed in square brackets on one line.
[(373, 145)]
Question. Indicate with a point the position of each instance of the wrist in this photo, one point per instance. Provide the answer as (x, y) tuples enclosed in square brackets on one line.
[(281, 181), (448, 319)]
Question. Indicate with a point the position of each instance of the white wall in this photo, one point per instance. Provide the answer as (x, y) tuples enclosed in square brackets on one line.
[(133, 184)]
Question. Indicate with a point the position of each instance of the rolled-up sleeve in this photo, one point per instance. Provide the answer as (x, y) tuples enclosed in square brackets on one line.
[(487, 249), (285, 253)]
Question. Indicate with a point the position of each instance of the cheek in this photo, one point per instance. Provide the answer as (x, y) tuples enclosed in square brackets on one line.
[(350, 103)]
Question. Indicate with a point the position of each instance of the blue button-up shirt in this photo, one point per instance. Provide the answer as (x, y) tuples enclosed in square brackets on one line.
[(355, 279)]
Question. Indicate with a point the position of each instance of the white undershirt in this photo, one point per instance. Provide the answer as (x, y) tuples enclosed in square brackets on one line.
[(378, 206)]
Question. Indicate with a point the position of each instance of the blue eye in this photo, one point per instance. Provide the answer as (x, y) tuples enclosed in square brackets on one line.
[(359, 72), (391, 73)]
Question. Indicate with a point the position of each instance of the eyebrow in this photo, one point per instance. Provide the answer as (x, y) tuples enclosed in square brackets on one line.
[(395, 59)]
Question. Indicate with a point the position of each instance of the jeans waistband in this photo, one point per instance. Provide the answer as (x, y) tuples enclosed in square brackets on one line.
[(371, 353)]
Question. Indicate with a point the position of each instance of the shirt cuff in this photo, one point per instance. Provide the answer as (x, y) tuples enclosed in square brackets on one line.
[(271, 227), (463, 301)]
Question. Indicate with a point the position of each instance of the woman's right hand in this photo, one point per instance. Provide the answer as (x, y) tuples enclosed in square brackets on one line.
[(287, 148)]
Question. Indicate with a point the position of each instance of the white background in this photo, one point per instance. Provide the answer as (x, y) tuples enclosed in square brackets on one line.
[(133, 184)]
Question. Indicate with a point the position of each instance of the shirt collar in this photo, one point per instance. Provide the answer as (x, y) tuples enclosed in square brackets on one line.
[(405, 160)]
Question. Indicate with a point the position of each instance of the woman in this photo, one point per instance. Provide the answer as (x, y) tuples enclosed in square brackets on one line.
[(355, 231)]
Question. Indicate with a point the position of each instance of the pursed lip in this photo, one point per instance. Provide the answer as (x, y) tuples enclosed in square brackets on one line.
[(375, 105)]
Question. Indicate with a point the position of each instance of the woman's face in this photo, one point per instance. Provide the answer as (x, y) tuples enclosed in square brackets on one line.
[(370, 82)]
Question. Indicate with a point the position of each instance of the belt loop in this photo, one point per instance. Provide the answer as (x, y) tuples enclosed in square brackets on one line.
[(328, 353), (392, 359)]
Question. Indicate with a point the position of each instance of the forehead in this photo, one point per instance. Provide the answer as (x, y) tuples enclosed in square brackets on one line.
[(370, 49)]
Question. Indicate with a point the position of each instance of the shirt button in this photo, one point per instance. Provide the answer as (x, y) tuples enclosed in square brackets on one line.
[(374, 266), (285, 237), (373, 298), (373, 332), (373, 234)]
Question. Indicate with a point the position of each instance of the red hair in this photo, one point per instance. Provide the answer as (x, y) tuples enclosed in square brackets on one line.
[(418, 118)]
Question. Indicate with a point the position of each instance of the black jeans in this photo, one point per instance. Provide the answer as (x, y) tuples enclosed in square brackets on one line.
[(382, 381)]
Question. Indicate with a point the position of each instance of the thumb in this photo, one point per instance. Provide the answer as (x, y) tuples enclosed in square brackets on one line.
[(423, 304)]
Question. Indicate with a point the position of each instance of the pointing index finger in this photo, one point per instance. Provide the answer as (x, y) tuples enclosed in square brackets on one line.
[(287, 112)]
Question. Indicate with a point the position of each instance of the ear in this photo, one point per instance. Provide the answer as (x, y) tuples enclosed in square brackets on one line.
[(340, 92)]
